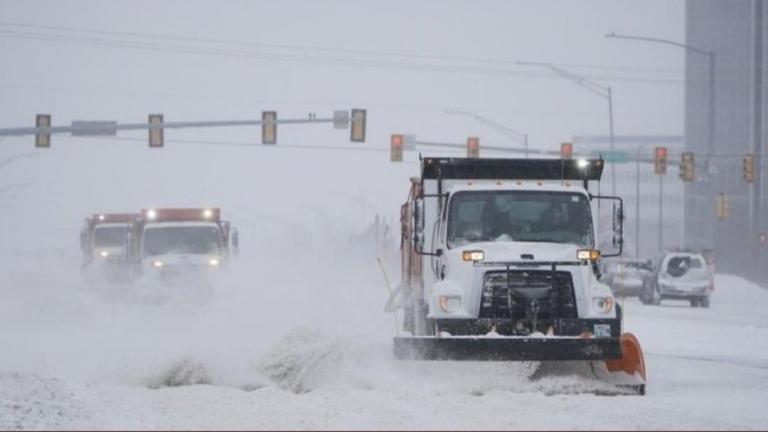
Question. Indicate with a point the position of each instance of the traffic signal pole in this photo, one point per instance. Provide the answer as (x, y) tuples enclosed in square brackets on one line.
[(43, 130), (661, 213)]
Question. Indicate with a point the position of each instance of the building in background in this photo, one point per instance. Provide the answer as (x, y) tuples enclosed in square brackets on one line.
[(735, 32)]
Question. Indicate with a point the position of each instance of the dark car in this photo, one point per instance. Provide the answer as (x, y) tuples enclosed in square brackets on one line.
[(680, 276)]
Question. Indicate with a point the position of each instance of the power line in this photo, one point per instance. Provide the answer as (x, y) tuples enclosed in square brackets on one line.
[(155, 36), (256, 145), (283, 57)]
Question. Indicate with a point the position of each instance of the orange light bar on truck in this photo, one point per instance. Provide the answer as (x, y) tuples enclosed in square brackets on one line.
[(212, 214)]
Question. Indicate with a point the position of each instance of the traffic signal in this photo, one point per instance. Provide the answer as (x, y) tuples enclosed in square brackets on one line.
[(473, 147), (749, 168), (43, 139), (396, 148), (660, 161), (269, 127), (687, 167), (722, 207), (357, 132), (566, 150), (156, 138)]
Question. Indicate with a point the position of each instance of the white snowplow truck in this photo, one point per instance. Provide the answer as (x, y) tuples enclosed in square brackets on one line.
[(173, 242), (499, 263), (102, 242)]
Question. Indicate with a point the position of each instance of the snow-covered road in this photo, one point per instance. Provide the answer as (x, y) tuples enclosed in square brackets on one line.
[(312, 352)]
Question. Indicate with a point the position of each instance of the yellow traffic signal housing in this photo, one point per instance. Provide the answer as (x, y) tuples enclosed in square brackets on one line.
[(749, 168), (687, 167), (566, 150), (269, 127), (722, 207), (660, 161), (156, 138), (396, 148), (357, 132), (43, 139), (473, 147)]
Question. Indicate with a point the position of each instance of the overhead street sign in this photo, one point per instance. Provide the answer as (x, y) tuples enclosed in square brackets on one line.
[(611, 156), (94, 128), (341, 119)]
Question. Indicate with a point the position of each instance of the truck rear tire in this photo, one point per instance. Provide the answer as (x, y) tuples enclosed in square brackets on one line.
[(704, 302), (694, 302)]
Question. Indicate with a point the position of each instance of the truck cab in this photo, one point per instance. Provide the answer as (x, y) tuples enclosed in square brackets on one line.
[(506, 246), (170, 242), (102, 237)]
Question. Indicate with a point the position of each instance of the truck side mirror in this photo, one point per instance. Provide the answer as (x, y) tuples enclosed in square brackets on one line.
[(418, 224), (618, 224), (234, 241)]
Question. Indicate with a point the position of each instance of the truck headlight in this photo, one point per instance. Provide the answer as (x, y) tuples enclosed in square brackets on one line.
[(213, 262), (104, 254), (604, 304), (157, 263), (473, 255), (449, 303)]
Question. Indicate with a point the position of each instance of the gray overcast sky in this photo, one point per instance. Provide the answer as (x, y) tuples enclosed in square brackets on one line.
[(74, 74), (83, 80)]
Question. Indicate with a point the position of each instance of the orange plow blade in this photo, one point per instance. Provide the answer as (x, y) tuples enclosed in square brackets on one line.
[(632, 360)]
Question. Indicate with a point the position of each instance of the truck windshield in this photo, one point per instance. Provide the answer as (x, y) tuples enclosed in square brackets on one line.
[(557, 217), (181, 240), (109, 236)]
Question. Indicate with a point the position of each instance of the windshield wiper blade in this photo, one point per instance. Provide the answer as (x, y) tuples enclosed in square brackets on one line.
[(537, 240)]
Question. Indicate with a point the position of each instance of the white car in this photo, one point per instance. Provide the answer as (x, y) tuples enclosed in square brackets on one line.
[(681, 276)]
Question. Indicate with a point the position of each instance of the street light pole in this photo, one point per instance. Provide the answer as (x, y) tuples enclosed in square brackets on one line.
[(637, 199), (598, 89), (517, 136)]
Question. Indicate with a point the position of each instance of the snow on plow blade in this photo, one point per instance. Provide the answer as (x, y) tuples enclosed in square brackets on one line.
[(506, 348)]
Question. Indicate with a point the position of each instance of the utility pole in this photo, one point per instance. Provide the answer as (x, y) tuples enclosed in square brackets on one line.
[(637, 199)]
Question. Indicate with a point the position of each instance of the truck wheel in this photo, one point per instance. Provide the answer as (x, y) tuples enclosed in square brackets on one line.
[(704, 302), (694, 302)]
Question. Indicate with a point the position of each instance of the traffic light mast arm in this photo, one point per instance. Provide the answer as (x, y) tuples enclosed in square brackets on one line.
[(164, 125), (592, 86)]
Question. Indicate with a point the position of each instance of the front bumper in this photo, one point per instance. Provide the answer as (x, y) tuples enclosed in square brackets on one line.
[(512, 348)]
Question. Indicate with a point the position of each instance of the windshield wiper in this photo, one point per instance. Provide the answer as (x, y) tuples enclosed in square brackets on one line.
[(537, 240)]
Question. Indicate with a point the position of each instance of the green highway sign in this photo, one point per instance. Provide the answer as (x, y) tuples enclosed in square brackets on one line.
[(615, 156)]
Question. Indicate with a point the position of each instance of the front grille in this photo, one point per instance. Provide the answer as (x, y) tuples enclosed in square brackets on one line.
[(509, 295)]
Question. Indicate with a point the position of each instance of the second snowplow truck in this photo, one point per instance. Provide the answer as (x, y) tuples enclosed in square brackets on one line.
[(499, 262), (177, 242)]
